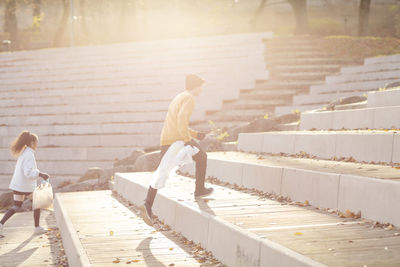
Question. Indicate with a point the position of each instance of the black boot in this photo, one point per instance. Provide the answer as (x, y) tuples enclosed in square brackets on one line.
[(148, 204)]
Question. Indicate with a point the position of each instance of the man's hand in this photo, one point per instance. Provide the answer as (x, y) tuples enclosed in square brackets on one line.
[(43, 175)]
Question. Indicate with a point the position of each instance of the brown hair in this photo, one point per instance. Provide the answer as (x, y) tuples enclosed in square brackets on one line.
[(24, 139)]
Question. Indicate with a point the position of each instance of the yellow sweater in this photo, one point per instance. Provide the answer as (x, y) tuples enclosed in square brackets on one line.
[(176, 124)]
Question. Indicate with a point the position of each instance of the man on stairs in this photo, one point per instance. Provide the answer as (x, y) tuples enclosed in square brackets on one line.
[(176, 128)]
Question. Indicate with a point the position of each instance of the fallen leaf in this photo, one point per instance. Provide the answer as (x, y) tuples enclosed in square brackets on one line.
[(111, 233), (306, 203), (135, 260), (390, 227), (171, 248), (298, 233), (172, 264), (116, 261)]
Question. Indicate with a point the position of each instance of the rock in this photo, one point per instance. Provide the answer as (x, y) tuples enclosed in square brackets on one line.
[(87, 185), (147, 162), (287, 118), (258, 125), (130, 160), (345, 101), (106, 175), (91, 173), (211, 143), (392, 85)]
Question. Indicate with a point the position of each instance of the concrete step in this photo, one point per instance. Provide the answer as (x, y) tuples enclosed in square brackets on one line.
[(82, 129), (302, 76), (270, 94), (367, 118), (257, 232), (382, 59), (238, 115), (56, 180), (271, 55), (324, 184), (282, 110), (307, 99), (362, 146), (75, 153), (350, 86), (310, 61), (85, 109), (140, 47), (286, 84), (87, 219), (93, 140), (363, 76), (370, 68), (305, 68), (384, 98), (58, 168), (266, 104), (83, 118)]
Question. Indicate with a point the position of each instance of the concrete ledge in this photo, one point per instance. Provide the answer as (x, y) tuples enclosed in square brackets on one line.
[(376, 199), (390, 74), (320, 189), (273, 254), (73, 248), (321, 144), (384, 98), (370, 68), (240, 247), (382, 59), (368, 118), (353, 86), (253, 142), (376, 146)]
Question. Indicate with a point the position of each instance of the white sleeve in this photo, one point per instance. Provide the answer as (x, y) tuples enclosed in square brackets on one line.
[(29, 167)]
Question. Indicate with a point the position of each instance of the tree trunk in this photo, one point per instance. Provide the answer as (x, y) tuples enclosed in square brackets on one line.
[(363, 17), (36, 14), (63, 24), (10, 23), (300, 13)]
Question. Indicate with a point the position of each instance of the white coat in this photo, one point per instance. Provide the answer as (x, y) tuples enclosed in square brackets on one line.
[(25, 173), (177, 155)]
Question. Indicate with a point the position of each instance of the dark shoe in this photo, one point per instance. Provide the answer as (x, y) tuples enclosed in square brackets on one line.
[(147, 214), (204, 193)]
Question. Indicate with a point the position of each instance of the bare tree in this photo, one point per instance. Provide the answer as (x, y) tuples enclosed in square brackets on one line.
[(57, 41), (363, 17), (301, 15), (10, 23)]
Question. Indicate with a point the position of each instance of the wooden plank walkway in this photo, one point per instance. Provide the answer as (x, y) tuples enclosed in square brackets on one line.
[(111, 234), (317, 234), (20, 247)]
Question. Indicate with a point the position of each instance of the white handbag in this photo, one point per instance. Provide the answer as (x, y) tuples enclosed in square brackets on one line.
[(43, 197)]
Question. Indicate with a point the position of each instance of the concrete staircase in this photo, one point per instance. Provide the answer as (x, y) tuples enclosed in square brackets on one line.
[(297, 198), (351, 81), (91, 105), (295, 64)]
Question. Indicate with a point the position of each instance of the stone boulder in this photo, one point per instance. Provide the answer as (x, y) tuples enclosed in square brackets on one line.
[(131, 159), (147, 162), (91, 174)]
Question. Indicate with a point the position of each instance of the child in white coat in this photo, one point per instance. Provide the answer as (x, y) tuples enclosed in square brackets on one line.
[(24, 180)]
